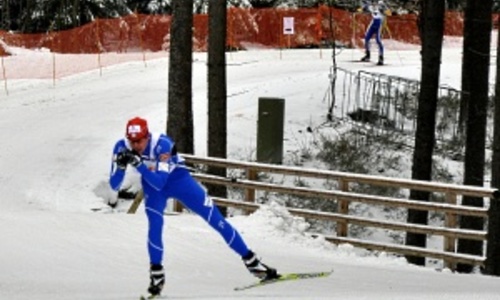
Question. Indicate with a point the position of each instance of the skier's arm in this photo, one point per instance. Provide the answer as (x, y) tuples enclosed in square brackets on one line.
[(156, 179), (117, 173)]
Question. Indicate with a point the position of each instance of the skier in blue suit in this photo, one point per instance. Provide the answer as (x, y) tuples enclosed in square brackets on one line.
[(164, 175), (378, 10)]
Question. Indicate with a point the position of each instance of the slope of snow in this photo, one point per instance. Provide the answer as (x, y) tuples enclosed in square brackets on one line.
[(54, 163)]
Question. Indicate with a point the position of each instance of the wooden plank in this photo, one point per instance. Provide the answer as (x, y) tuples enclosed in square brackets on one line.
[(379, 200), (250, 193), (336, 217), (409, 250), (450, 221), (399, 249), (351, 177), (342, 208)]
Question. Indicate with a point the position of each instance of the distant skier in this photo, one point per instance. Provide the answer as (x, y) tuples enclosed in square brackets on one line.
[(378, 10), (164, 175)]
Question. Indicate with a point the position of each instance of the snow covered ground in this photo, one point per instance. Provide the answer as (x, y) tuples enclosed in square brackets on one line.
[(54, 163)]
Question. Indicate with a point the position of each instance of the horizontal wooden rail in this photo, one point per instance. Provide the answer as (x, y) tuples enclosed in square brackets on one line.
[(409, 250), (401, 249), (351, 177), (425, 229), (379, 200)]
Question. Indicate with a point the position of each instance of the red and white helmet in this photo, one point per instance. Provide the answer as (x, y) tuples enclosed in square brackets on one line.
[(137, 128)]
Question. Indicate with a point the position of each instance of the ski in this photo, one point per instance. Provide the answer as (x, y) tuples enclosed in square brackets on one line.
[(366, 63), (285, 277), (151, 297)]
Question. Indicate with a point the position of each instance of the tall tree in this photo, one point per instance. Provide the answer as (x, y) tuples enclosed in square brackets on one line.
[(5, 16), (456, 4), (180, 114), (150, 6), (31, 16), (217, 90), (180, 69), (263, 3), (475, 78), (15, 13), (432, 25), (493, 251)]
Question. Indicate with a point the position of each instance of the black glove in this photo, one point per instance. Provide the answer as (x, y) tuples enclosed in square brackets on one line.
[(122, 160), (134, 158)]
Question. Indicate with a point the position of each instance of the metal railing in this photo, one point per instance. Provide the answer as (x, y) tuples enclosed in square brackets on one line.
[(390, 103)]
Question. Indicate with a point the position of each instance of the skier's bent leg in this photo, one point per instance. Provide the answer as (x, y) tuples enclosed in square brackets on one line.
[(195, 198), (227, 231)]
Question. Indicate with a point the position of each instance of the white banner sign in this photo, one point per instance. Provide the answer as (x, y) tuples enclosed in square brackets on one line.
[(288, 25)]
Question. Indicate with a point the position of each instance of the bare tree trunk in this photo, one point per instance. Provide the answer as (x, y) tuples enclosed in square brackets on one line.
[(432, 24), (492, 265), (476, 60), (217, 90), (465, 95), (180, 115), (76, 12), (6, 21)]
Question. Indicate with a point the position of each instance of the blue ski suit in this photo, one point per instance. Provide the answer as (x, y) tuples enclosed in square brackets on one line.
[(375, 27), (164, 175)]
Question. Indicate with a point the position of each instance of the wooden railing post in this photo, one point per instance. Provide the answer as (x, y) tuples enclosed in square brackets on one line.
[(450, 221), (177, 206), (137, 201), (343, 208), (249, 192)]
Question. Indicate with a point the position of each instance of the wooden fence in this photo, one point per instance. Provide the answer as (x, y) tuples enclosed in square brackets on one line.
[(450, 208)]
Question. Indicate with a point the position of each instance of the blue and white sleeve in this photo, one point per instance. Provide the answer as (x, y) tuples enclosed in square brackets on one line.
[(116, 174), (158, 178)]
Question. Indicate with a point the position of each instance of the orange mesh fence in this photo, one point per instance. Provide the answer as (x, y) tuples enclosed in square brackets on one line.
[(264, 28), (403, 28), (246, 28), (454, 24), (200, 32)]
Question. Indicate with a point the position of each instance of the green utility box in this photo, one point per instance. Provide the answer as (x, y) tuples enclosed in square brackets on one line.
[(270, 128)]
